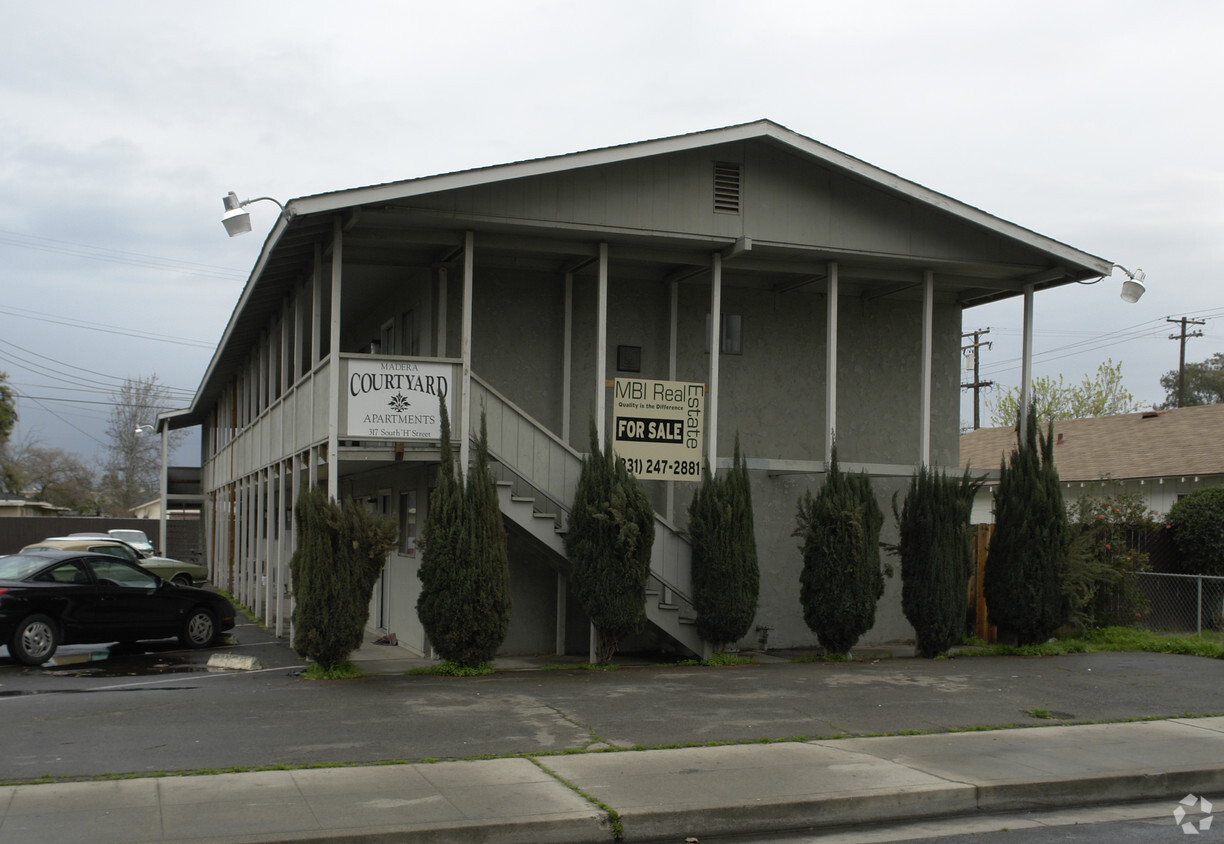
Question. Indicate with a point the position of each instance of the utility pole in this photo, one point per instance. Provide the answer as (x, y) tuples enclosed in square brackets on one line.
[(977, 384), (1181, 364)]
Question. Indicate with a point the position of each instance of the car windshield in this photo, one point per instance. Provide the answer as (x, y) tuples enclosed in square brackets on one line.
[(135, 537), (17, 566)]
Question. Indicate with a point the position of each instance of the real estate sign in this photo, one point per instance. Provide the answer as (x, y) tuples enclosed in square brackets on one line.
[(389, 399), (657, 428)]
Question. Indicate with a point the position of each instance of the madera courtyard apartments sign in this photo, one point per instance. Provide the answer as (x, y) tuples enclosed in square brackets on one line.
[(395, 399), (657, 428)]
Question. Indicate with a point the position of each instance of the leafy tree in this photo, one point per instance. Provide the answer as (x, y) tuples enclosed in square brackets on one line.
[(1028, 549), (8, 409), (9, 478), (464, 604), (1102, 553), (841, 581), (1198, 530), (1204, 383), (1100, 395), (340, 552), (132, 470), (935, 557), (726, 577), (608, 542)]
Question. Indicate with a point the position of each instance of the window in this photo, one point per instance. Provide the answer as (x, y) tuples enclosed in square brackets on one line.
[(629, 358), (64, 573), (731, 337), (115, 551), (119, 573), (407, 523)]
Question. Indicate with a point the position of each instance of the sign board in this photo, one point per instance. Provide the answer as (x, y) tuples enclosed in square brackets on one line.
[(657, 428), (389, 399)]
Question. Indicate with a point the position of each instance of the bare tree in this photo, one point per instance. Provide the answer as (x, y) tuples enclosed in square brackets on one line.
[(132, 471), (53, 475)]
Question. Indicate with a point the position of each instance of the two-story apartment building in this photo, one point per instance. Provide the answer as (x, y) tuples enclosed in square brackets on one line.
[(830, 291)]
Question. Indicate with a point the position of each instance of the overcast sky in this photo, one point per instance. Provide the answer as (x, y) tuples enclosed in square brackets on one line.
[(122, 124)]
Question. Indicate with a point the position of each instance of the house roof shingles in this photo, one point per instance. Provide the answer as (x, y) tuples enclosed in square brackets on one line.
[(1151, 444)]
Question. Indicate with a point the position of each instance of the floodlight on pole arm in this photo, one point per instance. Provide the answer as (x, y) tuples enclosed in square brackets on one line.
[(145, 429), (1133, 287), (236, 220)]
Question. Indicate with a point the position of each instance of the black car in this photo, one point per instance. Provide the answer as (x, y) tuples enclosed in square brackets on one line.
[(53, 598)]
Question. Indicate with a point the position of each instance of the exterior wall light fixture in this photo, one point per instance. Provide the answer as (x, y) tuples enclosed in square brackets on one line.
[(237, 220)]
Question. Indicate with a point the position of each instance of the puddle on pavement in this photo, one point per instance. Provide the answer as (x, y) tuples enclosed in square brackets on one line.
[(102, 663)]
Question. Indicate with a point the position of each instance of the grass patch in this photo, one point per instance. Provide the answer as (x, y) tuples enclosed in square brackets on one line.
[(454, 669), (718, 660), (827, 658), (340, 671), (1106, 640), (1039, 712)]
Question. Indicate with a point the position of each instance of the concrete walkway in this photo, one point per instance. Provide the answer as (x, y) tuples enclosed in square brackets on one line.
[(647, 795)]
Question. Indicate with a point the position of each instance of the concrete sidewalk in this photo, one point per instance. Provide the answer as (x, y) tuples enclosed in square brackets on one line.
[(651, 795)]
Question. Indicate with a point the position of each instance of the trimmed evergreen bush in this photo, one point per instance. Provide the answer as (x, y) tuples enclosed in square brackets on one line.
[(726, 577), (935, 557), (1030, 543), (464, 604), (339, 555), (841, 581), (608, 542), (1198, 531)]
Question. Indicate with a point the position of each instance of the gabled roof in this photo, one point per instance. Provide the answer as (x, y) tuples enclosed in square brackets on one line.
[(385, 221), (760, 129), (1153, 444)]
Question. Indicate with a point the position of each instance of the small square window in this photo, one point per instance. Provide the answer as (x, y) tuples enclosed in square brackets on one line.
[(629, 358), (731, 337)]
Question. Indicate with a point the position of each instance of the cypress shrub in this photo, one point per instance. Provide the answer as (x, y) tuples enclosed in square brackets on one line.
[(464, 604), (608, 542), (340, 552), (1030, 543), (936, 557), (841, 581), (726, 577)]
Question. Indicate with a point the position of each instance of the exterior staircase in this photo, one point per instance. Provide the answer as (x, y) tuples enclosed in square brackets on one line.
[(537, 476)]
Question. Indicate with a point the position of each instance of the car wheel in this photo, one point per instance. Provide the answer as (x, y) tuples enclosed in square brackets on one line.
[(200, 629), (34, 641), (182, 579)]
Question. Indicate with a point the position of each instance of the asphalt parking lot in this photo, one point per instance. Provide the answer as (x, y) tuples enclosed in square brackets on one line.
[(157, 707)]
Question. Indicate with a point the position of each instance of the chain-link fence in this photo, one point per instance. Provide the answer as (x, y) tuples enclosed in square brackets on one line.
[(1177, 603)]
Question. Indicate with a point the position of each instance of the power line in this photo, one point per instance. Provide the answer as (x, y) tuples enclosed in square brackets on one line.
[(117, 256), (105, 329), (73, 372)]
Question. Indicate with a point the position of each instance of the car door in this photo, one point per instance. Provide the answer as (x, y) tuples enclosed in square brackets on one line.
[(135, 605), (72, 597)]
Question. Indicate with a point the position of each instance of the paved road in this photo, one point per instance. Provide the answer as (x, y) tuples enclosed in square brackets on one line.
[(164, 711)]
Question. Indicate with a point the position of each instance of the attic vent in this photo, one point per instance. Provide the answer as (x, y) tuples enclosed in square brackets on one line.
[(726, 187)]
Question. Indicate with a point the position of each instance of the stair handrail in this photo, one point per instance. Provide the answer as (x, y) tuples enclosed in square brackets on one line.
[(666, 533)]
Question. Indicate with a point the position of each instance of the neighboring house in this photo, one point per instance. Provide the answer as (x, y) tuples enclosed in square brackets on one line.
[(20, 506), (153, 510), (520, 291), (1160, 454)]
